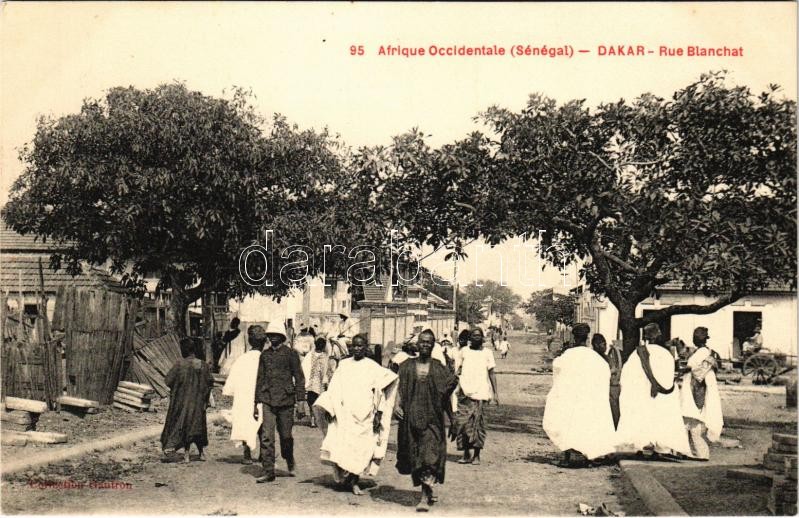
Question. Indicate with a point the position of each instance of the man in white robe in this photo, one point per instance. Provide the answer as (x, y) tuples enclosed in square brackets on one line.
[(358, 403), (577, 414), (241, 385), (649, 404), (701, 402)]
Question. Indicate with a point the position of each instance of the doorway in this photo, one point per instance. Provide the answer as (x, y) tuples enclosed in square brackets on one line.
[(743, 327)]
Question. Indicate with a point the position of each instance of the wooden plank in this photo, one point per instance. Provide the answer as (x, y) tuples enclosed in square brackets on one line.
[(133, 399), (130, 402), (134, 393), (784, 438), (17, 427), (138, 387), (18, 416), (13, 439), (29, 405), (46, 437), (783, 447), (155, 379), (78, 402), (125, 407)]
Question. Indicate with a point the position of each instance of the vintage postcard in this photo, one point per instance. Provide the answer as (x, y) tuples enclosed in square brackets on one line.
[(383, 259)]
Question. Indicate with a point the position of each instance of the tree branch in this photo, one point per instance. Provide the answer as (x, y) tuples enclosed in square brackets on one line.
[(694, 309), (621, 262)]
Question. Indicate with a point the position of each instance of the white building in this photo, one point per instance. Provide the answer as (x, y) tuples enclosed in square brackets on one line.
[(774, 309), (317, 305)]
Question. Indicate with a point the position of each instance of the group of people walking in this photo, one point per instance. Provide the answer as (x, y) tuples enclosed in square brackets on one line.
[(599, 405), (435, 390)]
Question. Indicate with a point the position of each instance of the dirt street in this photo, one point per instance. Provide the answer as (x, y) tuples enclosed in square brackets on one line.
[(517, 475)]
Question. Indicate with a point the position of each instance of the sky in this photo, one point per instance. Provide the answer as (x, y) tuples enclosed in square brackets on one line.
[(297, 59)]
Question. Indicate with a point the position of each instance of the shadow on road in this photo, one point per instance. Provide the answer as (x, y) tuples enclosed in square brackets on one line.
[(328, 482), (391, 494), (515, 419)]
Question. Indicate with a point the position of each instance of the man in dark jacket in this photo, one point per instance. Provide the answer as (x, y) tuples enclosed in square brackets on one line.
[(279, 386)]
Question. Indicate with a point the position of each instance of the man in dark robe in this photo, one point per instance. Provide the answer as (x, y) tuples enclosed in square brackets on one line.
[(190, 385), (425, 386)]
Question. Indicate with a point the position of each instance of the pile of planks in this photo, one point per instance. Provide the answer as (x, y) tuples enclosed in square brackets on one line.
[(781, 458), (152, 360), (21, 415), (19, 419), (133, 397)]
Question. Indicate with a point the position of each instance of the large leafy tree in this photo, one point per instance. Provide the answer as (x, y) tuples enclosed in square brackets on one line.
[(476, 299), (698, 190), (176, 183), (550, 308)]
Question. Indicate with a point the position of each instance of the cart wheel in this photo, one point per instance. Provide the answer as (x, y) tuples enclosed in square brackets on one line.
[(761, 367)]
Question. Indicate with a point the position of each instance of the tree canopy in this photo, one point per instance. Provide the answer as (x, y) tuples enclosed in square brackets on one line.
[(476, 299), (175, 183), (550, 308), (698, 190)]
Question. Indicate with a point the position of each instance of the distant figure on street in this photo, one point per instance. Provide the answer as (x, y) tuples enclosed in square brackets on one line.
[(190, 383), (478, 386), (613, 356), (317, 371), (701, 403), (357, 405), (503, 347), (279, 387), (240, 384), (222, 344), (577, 416), (425, 385), (651, 416)]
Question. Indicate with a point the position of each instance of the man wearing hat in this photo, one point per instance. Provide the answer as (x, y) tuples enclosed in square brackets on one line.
[(577, 414), (649, 403), (280, 385), (701, 402)]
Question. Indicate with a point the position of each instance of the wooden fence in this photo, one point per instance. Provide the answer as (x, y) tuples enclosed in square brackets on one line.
[(98, 334), (152, 360), (31, 361)]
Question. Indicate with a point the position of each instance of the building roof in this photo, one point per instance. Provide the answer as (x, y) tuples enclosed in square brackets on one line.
[(772, 288), (23, 269), (14, 242)]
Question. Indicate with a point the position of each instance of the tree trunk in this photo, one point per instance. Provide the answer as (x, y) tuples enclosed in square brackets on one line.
[(630, 330), (178, 307)]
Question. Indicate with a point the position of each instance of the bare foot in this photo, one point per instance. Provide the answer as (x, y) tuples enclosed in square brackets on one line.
[(186, 457), (356, 490), (202, 456)]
